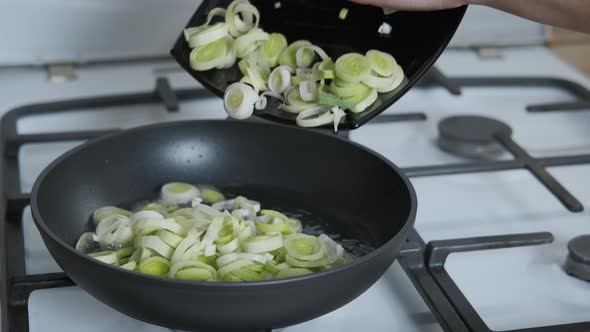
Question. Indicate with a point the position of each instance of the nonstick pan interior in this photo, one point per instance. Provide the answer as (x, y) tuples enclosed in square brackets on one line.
[(349, 191)]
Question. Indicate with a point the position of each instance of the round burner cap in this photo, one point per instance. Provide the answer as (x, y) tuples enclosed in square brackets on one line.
[(578, 260), (472, 128), (579, 248)]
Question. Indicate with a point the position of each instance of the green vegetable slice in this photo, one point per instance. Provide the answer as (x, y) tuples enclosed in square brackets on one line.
[(344, 89), (202, 243), (106, 211), (156, 244), (231, 246), (245, 274), (292, 261), (274, 228), (148, 226), (209, 260), (294, 102), (363, 102), (140, 254), (228, 258), (289, 54), (235, 265), (86, 243), (308, 90), (262, 243), (343, 13), (206, 35), (208, 56), (241, 17), (131, 266), (326, 69), (271, 268), (255, 267), (352, 67), (177, 267), (256, 72), (194, 274), (114, 229), (108, 257), (247, 43), (305, 55), (272, 48), (184, 246), (213, 13), (382, 63), (211, 196), (275, 214), (170, 238), (279, 79), (332, 100), (213, 231), (292, 272), (304, 247), (157, 266), (178, 192), (239, 99), (124, 252)]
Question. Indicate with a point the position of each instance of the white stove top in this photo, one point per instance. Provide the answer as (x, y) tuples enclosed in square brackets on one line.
[(510, 288)]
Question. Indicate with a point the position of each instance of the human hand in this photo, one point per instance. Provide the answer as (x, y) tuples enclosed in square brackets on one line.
[(414, 4)]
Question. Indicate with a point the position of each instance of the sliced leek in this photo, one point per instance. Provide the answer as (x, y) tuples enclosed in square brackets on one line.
[(315, 116), (305, 55), (107, 257), (352, 67), (304, 247), (272, 48), (248, 42), (205, 35), (288, 56), (180, 236), (106, 211), (262, 243), (208, 56), (308, 90), (211, 196), (294, 103), (292, 272), (280, 79), (382, 63), (157, 266), (239, 101), (178, 192), (354, 79), (241, 17)]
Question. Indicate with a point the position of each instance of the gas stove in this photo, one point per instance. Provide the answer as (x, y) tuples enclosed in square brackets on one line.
[(497, 149)]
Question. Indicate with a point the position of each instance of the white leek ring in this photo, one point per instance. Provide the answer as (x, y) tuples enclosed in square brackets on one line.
[(239, 99), (279, 79), (178, 192)]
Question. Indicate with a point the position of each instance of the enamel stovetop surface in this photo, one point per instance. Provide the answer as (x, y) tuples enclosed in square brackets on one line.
[(510, 288)]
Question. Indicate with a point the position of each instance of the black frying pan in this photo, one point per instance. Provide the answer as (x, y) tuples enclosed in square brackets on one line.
[(349, 189), (416, 41)]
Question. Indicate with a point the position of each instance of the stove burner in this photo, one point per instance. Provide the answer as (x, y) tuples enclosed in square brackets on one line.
[(471, 136), (577, 263)]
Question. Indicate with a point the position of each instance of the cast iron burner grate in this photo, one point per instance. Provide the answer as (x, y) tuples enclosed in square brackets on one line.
[(423, 263)]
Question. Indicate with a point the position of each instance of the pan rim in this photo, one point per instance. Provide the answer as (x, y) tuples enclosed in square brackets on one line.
[(39, 221)]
